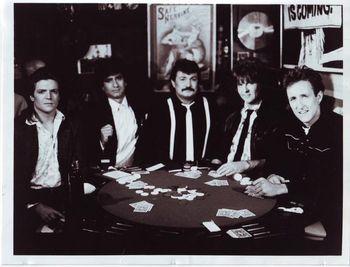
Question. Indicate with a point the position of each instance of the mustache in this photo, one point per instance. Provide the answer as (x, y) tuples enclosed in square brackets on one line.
[(188, 89)]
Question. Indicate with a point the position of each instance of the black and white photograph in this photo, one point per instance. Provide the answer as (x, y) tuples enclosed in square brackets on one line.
[(174, 133)]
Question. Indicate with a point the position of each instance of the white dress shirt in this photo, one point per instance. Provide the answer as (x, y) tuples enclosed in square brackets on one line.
[(126, 128), (47, 174), (246, 155)]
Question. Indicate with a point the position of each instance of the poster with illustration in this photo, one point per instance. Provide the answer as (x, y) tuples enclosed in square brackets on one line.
[(318, 31), (181, 31)]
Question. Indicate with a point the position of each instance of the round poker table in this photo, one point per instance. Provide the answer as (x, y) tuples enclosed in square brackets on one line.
[(170, 212)]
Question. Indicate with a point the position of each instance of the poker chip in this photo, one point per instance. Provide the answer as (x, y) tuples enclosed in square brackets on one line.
[(154, 193), (144, 194), (139, 191), (237, 177), (150, 187)]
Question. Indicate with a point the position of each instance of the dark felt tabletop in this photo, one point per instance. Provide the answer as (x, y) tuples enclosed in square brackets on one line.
[(116, 198)]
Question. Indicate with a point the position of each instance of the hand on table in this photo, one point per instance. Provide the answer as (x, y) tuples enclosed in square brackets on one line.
[(276, 179), (231, 168), (263, 187), (46, 213), (106, 131)]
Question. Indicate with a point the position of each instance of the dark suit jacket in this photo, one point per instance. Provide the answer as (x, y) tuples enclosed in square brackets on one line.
[(26, 151), (265, 125), (101, 115), (155, 137)]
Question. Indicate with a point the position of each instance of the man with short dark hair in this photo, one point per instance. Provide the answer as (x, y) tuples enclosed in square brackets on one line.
[(115, 118), (45, 146), (309, 153), (179, 129)]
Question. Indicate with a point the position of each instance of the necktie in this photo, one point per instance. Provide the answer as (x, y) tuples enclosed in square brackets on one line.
[(243, 136), (189, 134)]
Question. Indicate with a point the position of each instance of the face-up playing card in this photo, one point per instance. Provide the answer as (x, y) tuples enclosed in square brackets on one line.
[(238, 233), (229, 213), (246, 213), (136, 185), (190, 174), (142, 206), (217, 182), (214, 174)]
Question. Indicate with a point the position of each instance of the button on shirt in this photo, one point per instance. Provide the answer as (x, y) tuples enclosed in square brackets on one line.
[(126, 128), (246, 155), (46, 174)]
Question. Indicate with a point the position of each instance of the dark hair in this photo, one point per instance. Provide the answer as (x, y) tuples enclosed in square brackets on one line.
[(249, 70), (186, 66), (39, 75), (108, 67), (304, 73)]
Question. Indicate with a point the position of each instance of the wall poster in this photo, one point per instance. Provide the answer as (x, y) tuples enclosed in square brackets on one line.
[(316, 32), (181, 31)]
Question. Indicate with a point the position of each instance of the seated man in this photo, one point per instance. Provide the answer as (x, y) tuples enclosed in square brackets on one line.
[(247, 130), (179, 129), (115, 118), (309, 152), (44, 148)]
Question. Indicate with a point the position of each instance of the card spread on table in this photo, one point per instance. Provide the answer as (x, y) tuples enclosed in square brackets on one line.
[(155, 167), (142, 206), (190, 174), (214, 174), (238, 233), (217, 182), (136, 185), (117, 174), (211, 226), (234, 214)]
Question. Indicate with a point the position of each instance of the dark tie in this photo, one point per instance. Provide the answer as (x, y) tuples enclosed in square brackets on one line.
[(243, 136)]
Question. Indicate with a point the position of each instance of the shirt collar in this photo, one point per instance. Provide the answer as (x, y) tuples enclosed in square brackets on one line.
[(254, 107), (34, 120), (115, 104)]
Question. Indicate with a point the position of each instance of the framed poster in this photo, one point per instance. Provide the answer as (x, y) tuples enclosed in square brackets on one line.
[(256, 33), (181, 31), (316, 32)]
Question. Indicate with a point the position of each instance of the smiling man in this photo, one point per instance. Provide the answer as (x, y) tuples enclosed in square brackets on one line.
[(309, 153), (179, 129), (247, 129)]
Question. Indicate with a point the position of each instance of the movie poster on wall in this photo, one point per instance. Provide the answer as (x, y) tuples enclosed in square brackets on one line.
[(181, 31), (317, 32)]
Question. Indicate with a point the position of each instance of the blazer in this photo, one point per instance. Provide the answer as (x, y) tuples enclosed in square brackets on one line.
[(100, 115), (26, 150), (264, 126)]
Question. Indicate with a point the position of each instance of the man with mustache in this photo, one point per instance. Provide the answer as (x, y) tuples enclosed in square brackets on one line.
[(245, 141), (179, 128), (308, 153), (115, 117)]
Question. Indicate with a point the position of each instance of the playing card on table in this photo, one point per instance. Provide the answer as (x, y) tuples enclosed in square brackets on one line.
[(217, 182), (142, 206), (189, 174), (116, 174), (238, 233), (211, 226), (136, 185), (214, 174), (246, 213), (229, 213)]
